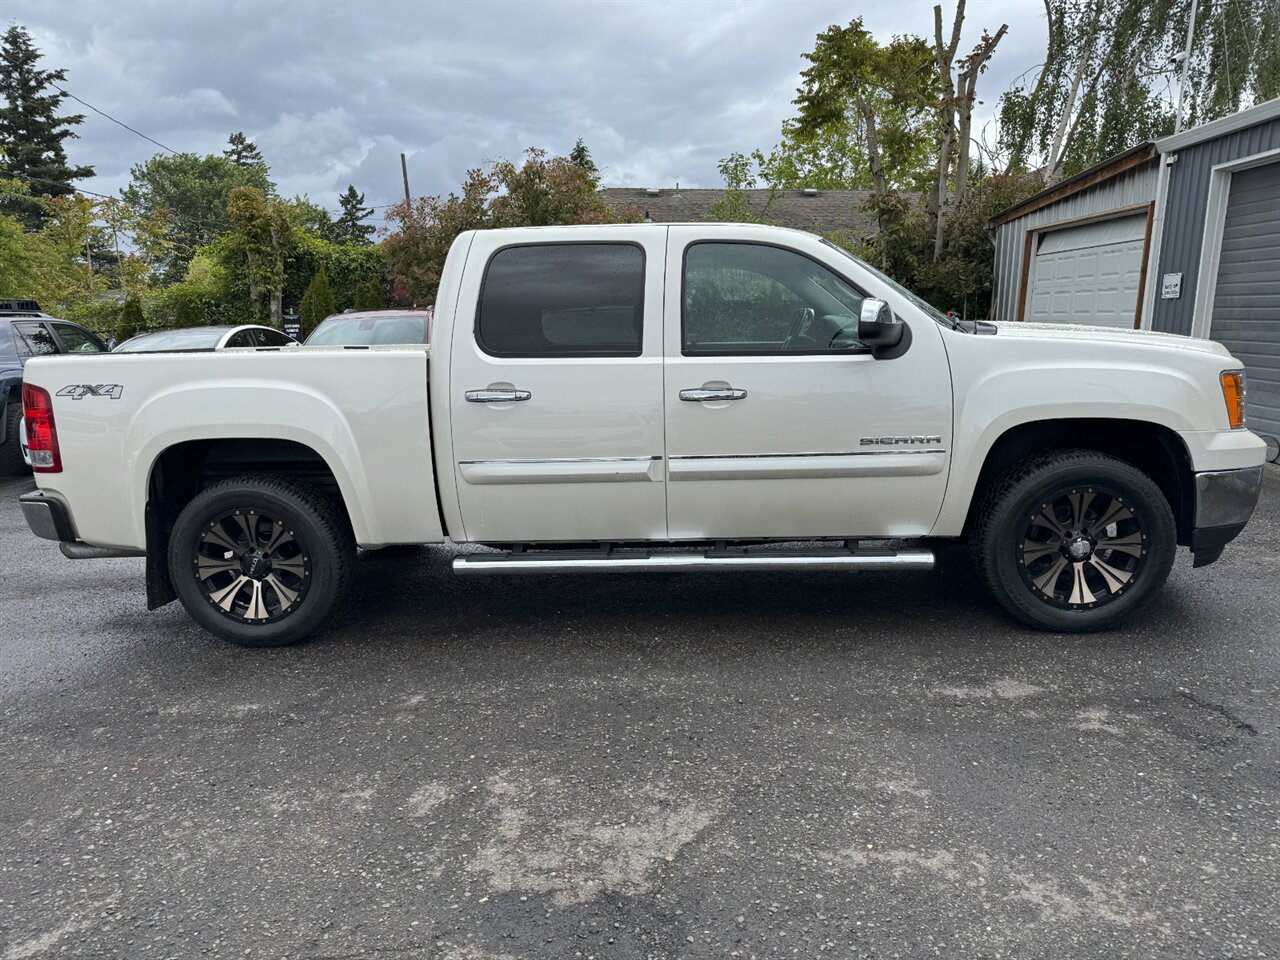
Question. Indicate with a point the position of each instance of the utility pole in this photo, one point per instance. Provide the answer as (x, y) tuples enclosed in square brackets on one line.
[(1186, 66), (404, 172)]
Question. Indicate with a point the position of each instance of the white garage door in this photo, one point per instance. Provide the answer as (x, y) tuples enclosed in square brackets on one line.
[(1246, 303), (1088, 274)]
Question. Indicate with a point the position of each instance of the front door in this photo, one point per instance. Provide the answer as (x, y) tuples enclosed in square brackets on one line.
[(556, 389), (780, 423)]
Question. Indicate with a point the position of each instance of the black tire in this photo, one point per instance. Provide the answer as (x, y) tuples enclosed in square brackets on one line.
[(11, 462), (298, 582), (1043, 547)]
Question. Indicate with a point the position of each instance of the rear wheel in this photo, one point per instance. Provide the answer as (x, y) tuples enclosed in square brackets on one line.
[(1074, 540), (11, 462), (261, 561)]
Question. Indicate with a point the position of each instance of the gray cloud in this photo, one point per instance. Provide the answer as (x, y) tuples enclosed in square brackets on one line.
[(332, 92)]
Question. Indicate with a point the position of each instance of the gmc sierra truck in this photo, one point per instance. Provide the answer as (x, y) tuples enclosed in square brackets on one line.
[(652, 397)]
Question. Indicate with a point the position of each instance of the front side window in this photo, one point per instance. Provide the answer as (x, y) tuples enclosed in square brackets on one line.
[(77, 339), (563, 300), (744, 298), (34, 339)]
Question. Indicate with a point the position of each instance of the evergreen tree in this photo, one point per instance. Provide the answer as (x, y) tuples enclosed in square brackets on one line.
[(581, 157), (31, 132), (242, 151), (317, 302), (131, 320), (189, 314), (369, 296), (349, 227)]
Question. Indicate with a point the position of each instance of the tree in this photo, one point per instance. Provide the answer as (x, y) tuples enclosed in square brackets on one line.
[(541, 191), (955, 109), (1112, 70), (317, 302), (243, 152), (189, 313), (369, 296), (882, 95), (734, 205), (31, 131), (189, 194), (264, 228), (580, 157), (350, 226), (131, 321)]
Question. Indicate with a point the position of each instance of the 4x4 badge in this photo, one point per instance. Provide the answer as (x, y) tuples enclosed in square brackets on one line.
[(77, 390)]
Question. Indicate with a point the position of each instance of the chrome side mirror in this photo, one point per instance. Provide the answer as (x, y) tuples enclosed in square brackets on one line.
[(877, 326)]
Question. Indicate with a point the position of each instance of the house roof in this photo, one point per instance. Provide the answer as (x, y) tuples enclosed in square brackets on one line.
[(822, 211), (1111, 167), (1267, 110), (1138, 155)]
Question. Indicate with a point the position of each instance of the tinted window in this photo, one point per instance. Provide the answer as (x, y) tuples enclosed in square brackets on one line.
[(355, 330), (242, 339), (77, 339), (271, 338), (563, 300), (34, 340), (742, 298)]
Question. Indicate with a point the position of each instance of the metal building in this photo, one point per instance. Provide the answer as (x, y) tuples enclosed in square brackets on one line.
[(1181, 235)]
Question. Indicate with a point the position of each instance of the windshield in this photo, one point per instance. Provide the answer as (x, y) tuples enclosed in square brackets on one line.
[(924, 305), (357, 331), (198, 338)]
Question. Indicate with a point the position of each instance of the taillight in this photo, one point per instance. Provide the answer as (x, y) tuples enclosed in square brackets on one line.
[(42, 434)]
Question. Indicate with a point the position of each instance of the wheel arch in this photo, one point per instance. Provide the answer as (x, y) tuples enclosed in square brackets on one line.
[(1153, 448), (183, 469)]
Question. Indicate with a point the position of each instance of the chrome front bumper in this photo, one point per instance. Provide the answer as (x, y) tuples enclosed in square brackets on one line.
[(1225, 500)]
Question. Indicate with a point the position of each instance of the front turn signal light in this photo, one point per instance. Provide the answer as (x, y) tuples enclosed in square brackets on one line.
[(1233, 394)]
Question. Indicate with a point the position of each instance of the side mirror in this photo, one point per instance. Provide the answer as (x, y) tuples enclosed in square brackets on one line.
[(877, 326)]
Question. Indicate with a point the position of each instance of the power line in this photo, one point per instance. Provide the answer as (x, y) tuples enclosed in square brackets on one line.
[(103, 113)]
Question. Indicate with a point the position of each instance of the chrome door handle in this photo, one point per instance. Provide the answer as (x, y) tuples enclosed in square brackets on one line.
[(496, 396), (700, 395)]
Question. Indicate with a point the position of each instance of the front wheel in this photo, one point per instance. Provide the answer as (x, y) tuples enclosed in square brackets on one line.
[(1074, 540), (261, 561)]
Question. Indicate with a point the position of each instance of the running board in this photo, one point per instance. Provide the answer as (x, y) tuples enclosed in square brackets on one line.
[(601, 561)]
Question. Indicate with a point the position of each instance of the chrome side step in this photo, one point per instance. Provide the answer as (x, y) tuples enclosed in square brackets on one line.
[(611, 561)]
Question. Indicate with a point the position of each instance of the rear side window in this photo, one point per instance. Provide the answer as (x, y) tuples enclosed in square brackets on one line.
[(76, 339), (34, 339), (563, 300)]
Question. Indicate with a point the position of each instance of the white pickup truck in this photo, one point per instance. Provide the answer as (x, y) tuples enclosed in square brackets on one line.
[(652, 397)]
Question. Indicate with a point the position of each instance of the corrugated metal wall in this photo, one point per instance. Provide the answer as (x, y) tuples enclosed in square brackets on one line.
[(1130, 188), (1185, 212)]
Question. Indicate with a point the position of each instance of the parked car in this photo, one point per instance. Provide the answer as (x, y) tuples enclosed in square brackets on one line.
[(205, 339), (366, 328), (645, 397), (26, 331)]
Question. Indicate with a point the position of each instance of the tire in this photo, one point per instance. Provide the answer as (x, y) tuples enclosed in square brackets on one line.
[(256, 584), (11, 462), (1045, 548)]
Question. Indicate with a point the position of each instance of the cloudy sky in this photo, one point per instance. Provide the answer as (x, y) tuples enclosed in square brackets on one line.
[(332, 91)]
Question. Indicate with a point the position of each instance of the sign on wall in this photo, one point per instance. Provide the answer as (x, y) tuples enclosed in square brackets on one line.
[(1171, 286)]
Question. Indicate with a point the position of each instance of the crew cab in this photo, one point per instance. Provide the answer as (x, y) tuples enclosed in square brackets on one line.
[(652, 397)]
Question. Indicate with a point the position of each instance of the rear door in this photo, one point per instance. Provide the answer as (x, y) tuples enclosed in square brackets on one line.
[(556, 388)]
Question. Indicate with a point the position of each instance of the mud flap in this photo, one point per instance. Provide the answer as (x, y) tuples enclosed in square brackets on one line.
[(159, 586)]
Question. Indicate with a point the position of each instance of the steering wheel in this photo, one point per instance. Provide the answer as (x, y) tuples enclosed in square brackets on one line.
[(800, 319)]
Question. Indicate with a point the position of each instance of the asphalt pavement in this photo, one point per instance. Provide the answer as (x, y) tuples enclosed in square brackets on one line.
[(639, 766)]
